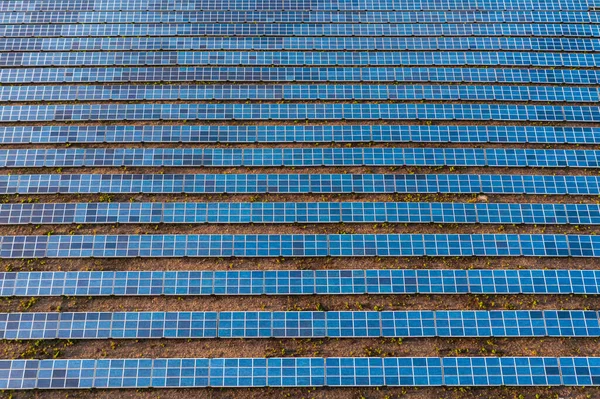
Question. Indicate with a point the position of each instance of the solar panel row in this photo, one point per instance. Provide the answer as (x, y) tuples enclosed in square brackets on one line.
[(306, 58), (315, 16), (298, 212), (289, 372), (345, 324), (300, 92), (295, 111), (285, 74), (299, 183), (311, 29), (297, 157), (336, 5), (300, 282), (299, 43), (309, 245), (302, 134), (561, 54)]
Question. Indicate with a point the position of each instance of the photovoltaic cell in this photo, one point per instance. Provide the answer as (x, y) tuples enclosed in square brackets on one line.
[(258, 324), (301, 134), (312, 245), (300, 371)]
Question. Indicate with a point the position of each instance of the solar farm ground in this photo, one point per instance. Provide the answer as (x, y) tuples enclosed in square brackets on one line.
[(110, 65)]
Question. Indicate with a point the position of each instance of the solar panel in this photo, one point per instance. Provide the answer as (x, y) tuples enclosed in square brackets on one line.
[(299, 92), (311, 245), (298, 157), (387, 43), (313, 16), (295, 111), (345, 324), (332, 58), (301, 371), (298, 29), (298, 212), (301, 134), (299, 183), (173, 71), (300, 282), (117, 5), (265, 74)]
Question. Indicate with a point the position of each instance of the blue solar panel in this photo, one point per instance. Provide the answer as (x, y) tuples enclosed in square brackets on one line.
[(330, 58), (388, 43), (305, 282), (294, 372), (188, 5), (298, 157), (313, 16), (311, 245), (467, 63), (300, 29), (299, 183), (280, 74), (302, 134), (470, 63), (295, 111), (300, 92), (298, 212), (345, 324)]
